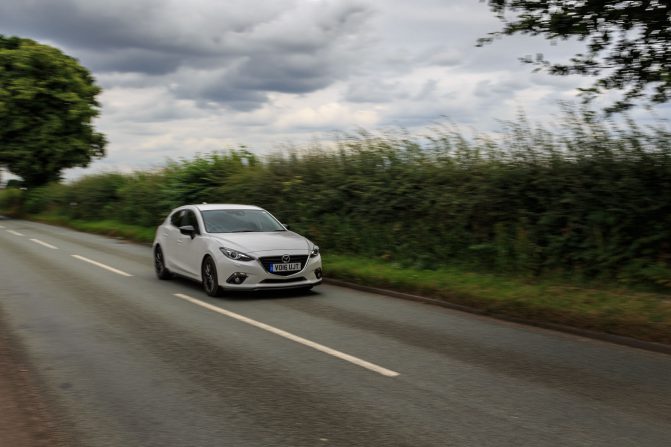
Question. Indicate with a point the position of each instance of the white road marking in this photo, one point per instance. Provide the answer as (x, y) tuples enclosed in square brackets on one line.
[(15, 233), (341, 355), (1, 227), (37, 241), (102, 266)]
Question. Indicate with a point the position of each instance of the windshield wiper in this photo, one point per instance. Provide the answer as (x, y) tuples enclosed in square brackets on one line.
[(244, 231)]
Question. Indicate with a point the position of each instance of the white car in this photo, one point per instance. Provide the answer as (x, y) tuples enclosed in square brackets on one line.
[(234, 247)]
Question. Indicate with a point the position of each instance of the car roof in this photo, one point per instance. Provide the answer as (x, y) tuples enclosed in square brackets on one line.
[(225, 206)]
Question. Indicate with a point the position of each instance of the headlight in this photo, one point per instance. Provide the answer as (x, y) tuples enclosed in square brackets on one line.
[(235, 255), (314, 252)]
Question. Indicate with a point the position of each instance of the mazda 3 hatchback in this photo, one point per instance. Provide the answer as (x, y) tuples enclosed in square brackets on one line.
[(234, 247)]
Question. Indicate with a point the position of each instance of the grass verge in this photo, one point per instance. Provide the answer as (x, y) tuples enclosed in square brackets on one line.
[(105, 227), (645, 316)]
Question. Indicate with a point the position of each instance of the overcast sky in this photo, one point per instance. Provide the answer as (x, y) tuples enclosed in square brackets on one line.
[(183, 77)]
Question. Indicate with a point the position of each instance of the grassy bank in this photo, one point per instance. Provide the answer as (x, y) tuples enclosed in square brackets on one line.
[(621, 311), (112, 228)]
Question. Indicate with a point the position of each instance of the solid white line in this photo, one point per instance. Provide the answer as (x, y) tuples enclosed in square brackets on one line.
[(103, 266), (37, 241), (1, 227), (16, 233), (341, 355)]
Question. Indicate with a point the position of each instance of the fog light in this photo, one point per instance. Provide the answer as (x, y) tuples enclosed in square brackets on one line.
[(237, 278), (318, 273)]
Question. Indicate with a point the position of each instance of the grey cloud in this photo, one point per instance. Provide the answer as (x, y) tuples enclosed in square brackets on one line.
[(235, 99), (499, 88), (284, 46), (285, 74), (305, 28), (213, 88), (133, 60), (445, 57), (79, 24), (373, 91), (428, 91), (162, 112)]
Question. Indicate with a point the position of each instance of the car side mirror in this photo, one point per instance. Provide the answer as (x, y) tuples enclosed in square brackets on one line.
[(188, 230), (286, 226)]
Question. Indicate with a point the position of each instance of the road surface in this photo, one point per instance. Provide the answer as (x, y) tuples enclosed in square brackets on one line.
[(123, 359)]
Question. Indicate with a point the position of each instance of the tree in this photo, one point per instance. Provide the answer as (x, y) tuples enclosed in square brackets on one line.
[(47, 103), (628, 43)]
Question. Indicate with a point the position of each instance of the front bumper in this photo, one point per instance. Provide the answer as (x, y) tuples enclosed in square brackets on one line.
[(259, 287), (258, 278)]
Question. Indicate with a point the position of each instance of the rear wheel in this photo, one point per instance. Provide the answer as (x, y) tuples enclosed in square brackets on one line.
[(209, 276), (159, 264)]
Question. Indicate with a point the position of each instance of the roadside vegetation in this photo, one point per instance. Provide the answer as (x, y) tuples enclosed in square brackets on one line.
[(529, 220)]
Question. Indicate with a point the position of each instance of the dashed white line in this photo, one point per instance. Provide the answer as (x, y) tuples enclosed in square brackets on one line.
[(101, 265), (1, 227), (325, 349), (37, 241), (15, 233)]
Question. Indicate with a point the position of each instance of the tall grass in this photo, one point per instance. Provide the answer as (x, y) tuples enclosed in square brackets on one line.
[(589, 200)]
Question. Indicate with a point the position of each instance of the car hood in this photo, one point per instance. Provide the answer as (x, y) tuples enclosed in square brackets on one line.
[(258, 242)]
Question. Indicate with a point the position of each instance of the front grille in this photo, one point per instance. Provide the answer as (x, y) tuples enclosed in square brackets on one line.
[(266, 261), (282, 281)]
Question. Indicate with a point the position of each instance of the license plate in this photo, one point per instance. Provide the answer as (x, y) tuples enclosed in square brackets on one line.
[(289, 267)]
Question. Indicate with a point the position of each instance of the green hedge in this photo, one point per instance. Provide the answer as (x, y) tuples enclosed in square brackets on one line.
[(591, 199)]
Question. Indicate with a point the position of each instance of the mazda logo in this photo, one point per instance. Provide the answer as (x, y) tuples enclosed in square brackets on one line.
[(286, 259)]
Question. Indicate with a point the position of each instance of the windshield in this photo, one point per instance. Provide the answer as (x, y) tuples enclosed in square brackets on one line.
[(240, 221)]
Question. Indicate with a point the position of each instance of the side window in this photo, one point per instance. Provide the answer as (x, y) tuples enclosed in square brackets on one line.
[(176, 218), (189, 218)]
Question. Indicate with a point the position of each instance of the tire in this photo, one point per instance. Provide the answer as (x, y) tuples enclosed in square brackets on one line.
[(210, 278), (159, 264)]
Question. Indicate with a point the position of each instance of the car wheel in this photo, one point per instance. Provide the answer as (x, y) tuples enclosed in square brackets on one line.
[(210, 279), (159, 264)]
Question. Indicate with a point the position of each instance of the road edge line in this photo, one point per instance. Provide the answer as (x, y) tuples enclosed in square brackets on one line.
[(45, 244), (288, 335), (101, 265)]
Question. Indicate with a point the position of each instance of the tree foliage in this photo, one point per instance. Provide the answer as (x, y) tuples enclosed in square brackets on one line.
[(628, 43), (47, 104)]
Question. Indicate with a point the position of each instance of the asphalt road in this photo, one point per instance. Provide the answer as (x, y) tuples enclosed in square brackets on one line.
[(133, 361)]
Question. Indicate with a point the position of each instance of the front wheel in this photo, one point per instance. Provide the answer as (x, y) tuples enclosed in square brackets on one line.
[(210, 279), (159, 264)]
